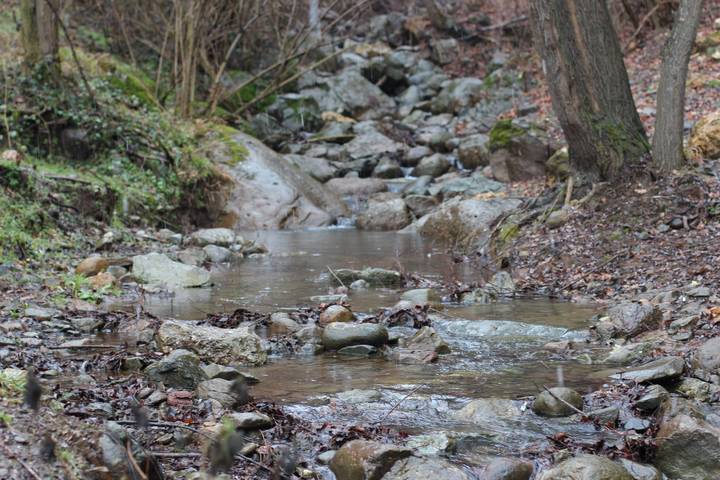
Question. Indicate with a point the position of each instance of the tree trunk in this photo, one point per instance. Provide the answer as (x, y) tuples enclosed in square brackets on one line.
[(186, 55), (589, 85), (669, 120), (39, 33)]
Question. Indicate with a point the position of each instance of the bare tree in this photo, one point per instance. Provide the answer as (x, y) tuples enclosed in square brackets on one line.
[(589, 86), (668, 138), (39, 33)]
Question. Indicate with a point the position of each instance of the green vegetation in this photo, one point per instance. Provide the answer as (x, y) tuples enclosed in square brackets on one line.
[(5, 419), (12, 382), (502, 133)]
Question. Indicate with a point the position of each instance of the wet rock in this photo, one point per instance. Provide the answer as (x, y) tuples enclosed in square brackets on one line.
[(359, 396), (213, 370), (217, 254), (326, 457), (358, 350), (226, 392), (366, 460), (653, 397), (335, 313), (487, 410), (422, 296), (688, 448), (281, 322), (192, 256), (372, 144), (629, 353), (250, 420), (413, 468), (87, 324), (473, 151), (212, 344), (586, 467), (40, 314), (420, 205), (157, 268), (471, 186), (638, 471), (338, 335), (426, 340), (223, 237), (388, 168), (628, 319), (318, 168), (385, 215), (113, 445), (433, 166), (414, 155), (361, 98), (419, 186), (664, 368), (707, 357), (375, 277), (356, 187), (457, 95), (698, 390), (296, 112), (508, 469), (547, 405), (180, 369), (436, 443)]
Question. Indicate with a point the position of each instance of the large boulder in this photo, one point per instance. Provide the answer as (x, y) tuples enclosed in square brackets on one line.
[(366, 460), (340, 334), (372, 144), (385, 215), (270, 193), (318, 168), (181, 369), (704, 140), (628, 319), (587, 467), (433, 166), (212, 344), (413, 468), (473, 151), (688, 448), (361, 98), (557, 402), (488, 410), (661, 369), (517, 154), (471, 186), (508, 469), (223, 237), (158, 268)]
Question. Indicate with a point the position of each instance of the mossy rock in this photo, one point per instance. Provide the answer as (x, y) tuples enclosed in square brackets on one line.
[(502, 134), (558, 165)]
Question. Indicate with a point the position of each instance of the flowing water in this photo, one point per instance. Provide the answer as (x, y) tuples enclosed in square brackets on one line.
[(496, 348)]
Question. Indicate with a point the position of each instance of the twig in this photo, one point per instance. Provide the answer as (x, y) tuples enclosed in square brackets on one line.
[(577, 410), (336, 277), (512, 21), (642, 24), (400, 401), (82, 347), (10, 454), (176, 454), (569, 189), (133, 462)]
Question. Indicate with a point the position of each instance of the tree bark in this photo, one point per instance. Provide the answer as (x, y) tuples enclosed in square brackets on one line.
[(669, 120), (39, 33), (589, 85)]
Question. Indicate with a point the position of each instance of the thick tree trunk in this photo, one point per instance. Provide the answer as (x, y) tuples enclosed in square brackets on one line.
[(39, 32), (589, 85), (669, 120)]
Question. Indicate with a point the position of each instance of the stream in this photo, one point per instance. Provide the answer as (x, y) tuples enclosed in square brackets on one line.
[(496, 348)]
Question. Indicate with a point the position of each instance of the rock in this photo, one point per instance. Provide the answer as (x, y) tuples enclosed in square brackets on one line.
[(414, 155), (501, 285), (628, 319), (467, 219), (326, 457), (362, 98), (114, 447), (419, 186), (384, 215), (356, 187), (420, 205), (508, 469), (698, 390), (458, 94), (40, 314), (217, 254), (212, 344), (224, 391), (372, 144), (704, 140), (688, 448), (664, 368), (707, 357), (318, 168), (192, 256), (358, 351), (375, 277), (421, 296), (586, 467), (653, 397), (101, 281), (547, 405), (359, 396), (92, 266), (414, 468), (558, 165), (87, 324), (639, 471), (296, 112), (335, 313), (250, 420), (214, 370), (473, 151), (629, 352), (180, 369), (281, 322), (366, 460), (433, 166), (338, 335), (517, 155), (471, 186), (558, 218), (699, 292), (444, 51), (223, 237), (487, 410), (157, 268), (267, 192), (388, 168), (436, 443), (426, 340)]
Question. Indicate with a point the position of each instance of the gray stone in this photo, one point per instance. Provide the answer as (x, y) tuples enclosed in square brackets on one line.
[(358, 350), (250, 420), (366, 460), (586, 467), (335, 313), (414, 468), (444, 50), (558, 218), (419, 186), (547, 405), (212, 344), (471, 186), (339, 335), (436, 443), (385, 215), (629, 352), (326, 457), (157, 268), (213, 370), (457, 95), (87, 324), (318, 168), (223, 237), (180, 369), (698, 390), (688, 448), (372, 144), (356, 187), (421, 205), (508, 469), (217, 254), (664, 368), (362, 98), (40, 314), (388, 168), (281, 322), (426, 340), (473, 151), (433, 166), (487, 410), (224, 391), (375, 277), (414, 155), (359, 396), (628, 319), (113, 445), (638, 471), (653, 397), (707, 357), (421, 296), (192, 256)]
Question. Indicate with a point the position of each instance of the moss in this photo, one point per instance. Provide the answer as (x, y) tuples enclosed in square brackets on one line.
[(502, 133), (236, 151)]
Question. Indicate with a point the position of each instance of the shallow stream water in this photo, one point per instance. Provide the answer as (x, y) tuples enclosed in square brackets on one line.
[(496, 348)]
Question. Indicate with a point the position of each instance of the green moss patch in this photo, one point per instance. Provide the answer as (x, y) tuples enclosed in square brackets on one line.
[(502, 133)]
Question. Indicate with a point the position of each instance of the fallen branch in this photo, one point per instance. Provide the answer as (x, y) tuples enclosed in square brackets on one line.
[(399, 402), (336, 277)]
